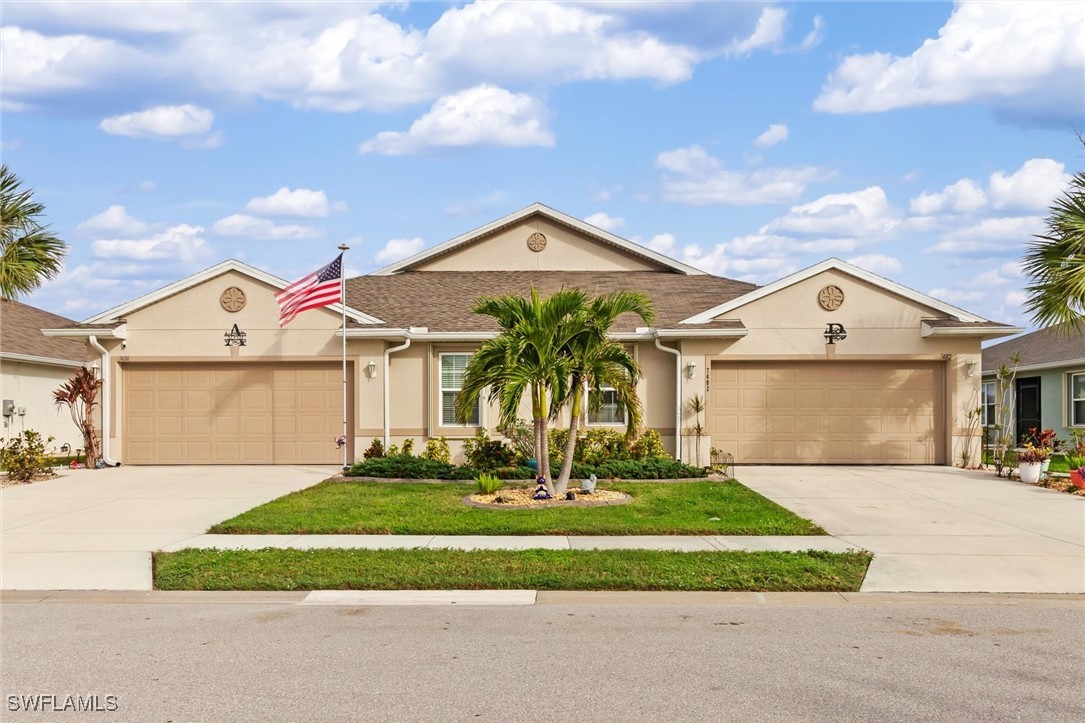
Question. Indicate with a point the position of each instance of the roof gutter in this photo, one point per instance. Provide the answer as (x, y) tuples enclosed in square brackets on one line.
[(44, 360), (988, 332), (109, 461), (117, 332)]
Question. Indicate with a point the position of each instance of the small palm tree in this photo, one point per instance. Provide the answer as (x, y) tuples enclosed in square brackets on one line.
[(526, 358), (29, 252), (80, 395), (1055, 262), (596, 361)]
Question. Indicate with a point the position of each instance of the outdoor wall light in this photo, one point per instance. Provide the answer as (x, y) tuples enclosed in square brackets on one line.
[(970, 369), (371, 369), (691, 369)]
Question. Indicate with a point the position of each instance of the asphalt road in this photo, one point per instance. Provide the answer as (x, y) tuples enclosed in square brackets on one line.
[(269, 662)]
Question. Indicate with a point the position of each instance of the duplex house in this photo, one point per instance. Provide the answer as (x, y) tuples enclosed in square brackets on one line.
[(832, 364), (1049, 387)]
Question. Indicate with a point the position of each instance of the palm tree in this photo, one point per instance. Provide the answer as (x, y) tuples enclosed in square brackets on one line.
[(80, 395), (527, 358), (1055, 262), (29, 252), (597, 361)]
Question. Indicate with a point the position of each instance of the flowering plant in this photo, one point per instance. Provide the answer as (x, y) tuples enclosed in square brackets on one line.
[(1032, 453), (1045, 439)]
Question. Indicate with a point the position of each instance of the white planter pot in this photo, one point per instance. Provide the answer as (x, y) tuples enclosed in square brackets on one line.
[(1046, 464), (1030, 472)]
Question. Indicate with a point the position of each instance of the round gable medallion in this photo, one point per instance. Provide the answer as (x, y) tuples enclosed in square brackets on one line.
[(831, 298), (536, 242), (233, 299)]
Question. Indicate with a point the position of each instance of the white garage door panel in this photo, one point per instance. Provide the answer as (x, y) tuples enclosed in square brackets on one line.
[(232, 413), (828, 412)]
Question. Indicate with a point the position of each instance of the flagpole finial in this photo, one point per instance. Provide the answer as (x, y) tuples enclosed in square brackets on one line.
[(344, 247)]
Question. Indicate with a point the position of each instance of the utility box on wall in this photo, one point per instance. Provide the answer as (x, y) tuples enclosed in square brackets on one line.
[(9, 407)]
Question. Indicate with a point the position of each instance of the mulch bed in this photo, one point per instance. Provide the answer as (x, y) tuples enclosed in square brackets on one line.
[(520, 498)]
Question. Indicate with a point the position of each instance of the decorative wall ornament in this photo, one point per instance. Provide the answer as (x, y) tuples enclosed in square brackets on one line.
[(831, 298), (233, 299), (235, 337), (834, 333), (536, 242)]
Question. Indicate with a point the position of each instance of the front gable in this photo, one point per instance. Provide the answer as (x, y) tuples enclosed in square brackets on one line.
[(539, 238)]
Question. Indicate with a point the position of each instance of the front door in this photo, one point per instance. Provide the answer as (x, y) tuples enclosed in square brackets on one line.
[(1028, 407)]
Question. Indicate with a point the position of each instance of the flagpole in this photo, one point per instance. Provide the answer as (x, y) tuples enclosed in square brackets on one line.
[(343, 304)]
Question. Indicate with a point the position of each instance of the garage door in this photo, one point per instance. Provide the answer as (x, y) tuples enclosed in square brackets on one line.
[(232, 413), (828, 412)]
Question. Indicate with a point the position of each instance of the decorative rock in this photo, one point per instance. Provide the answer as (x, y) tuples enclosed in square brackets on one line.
[(570, 495)]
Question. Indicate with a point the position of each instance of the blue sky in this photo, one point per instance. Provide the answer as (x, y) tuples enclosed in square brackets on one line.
[(921, 141)]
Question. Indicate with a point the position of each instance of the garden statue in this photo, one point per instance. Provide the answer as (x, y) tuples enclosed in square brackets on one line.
[(587, 487), (540, 490)]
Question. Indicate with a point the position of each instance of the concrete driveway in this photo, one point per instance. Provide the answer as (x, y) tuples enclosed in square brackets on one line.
[(940, 529), (95, 529)]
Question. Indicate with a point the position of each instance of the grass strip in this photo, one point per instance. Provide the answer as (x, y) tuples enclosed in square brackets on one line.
[(377, 508), (426, 569)]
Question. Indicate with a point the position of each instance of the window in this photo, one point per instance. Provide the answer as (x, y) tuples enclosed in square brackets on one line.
[(988, 404), (452, 369), (610, 412), (1077, 400)]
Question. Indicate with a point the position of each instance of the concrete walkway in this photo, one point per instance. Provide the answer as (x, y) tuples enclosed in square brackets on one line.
[(676, 543), (94, 529), (940, 529)]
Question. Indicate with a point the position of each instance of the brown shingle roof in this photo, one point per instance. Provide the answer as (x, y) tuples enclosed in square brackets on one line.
[(1046, 346), (20, 333), (958, 324), (441, 300)]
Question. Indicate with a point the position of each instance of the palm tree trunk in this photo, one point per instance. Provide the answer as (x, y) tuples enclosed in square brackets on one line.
[(562, 483), (544, 463)]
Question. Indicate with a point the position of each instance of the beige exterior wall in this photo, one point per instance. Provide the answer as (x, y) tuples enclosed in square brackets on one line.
[(565, 249), (31, 387), (790, 324)]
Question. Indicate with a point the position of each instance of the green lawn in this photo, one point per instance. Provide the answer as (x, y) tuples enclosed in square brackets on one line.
[(676, 508), (425, 569)]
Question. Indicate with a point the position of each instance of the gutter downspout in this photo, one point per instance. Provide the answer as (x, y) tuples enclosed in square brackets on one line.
[(388, 391), (109, 461), (677, 397)]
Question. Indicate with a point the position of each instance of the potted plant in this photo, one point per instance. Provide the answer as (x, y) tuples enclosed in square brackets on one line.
[(1044, 440), (1077, 470), (1030, 463)]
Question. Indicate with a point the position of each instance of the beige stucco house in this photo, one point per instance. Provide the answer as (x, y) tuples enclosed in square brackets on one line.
[(32, 367), (892, 386)]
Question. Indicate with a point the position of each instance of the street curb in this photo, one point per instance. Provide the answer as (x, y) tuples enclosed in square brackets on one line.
[(470, 598)]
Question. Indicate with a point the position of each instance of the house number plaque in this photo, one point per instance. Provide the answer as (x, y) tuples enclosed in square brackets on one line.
[(831, 298)]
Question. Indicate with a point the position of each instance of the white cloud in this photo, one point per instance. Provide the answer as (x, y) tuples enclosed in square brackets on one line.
[(958, 296), (1025, 58), (475, 206), (481, 116), (166, 122), (775, 133), (964, 196), (182, 243), (286, 202), (878, 264), (694, 177), (263, 230), (113, 220), (769, 32), (36, 64), (990, 236), (864, 214), (147, 186), (1032, 187), (815, 36), (605, 222), (398, 249)]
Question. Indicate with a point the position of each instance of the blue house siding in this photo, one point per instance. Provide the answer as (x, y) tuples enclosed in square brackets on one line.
[(1055, 391)]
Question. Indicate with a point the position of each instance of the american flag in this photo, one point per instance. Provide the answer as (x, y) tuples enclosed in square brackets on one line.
[(320, 288)]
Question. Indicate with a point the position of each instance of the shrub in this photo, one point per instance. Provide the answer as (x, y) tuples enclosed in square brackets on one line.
[(401, 466), (488, 484), (408, 446), (487, 454), (654, 468), (375, 450), (1075, 462), (521, 437), (649, 445), (437, 450), (514, 473), (24, 457)]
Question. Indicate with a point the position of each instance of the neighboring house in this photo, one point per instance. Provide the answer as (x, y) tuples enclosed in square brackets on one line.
[(895, 390), (1049, 389), (32, 367)]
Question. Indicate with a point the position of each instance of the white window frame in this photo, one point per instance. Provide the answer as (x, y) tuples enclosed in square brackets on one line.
[(625, 413), (1073, 422), (985, 421), (441, 389)]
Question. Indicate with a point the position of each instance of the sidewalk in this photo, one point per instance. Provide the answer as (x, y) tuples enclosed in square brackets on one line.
[(509, 542)]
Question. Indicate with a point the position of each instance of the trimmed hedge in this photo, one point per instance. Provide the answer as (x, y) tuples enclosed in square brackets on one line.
[(408, 467)]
